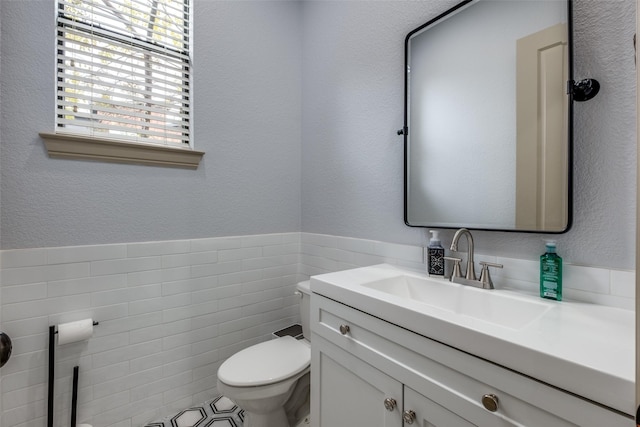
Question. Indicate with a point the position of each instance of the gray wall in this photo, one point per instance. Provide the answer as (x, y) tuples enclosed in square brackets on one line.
[(277, 82), (353, 104), (247, 83)]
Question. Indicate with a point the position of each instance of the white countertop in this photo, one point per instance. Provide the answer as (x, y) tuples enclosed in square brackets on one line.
[(586, 349)]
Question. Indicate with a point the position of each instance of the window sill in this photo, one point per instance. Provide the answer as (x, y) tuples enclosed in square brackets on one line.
[(65, 146)]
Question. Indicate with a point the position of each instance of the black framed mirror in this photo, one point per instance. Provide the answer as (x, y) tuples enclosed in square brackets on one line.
[(488, 117)]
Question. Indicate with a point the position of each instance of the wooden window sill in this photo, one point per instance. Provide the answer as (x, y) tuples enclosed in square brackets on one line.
[(66, 146)]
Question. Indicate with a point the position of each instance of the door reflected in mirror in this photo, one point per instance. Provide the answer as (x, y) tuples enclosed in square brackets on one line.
[(488, 118)]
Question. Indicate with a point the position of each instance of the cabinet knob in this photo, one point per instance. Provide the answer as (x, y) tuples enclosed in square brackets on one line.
[(409, 416), (344, 329), (390, 404), (490, 402)]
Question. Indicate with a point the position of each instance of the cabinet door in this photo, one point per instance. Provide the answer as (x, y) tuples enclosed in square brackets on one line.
[(426, 413), (350, 392)]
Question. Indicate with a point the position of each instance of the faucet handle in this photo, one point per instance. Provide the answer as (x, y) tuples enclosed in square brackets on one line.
[(457, 272), (485, 277)]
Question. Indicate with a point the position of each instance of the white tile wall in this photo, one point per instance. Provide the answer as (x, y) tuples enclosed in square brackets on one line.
[(171, 312), (323, 254)]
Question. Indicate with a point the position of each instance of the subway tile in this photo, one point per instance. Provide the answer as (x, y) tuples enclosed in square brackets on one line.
[(178, 273), (16, 416), (216, 243), (26, 327), (147, 362), (282, 249), (109, 312), (239, 277), (261, 240), (101, 268), (208, 257), (108, 373), (144, 277), (160, 384), (146, 249), (176, 352), (25, 275), (623, 283), (215, 269), (17, 398), (109, 342), (110, 402), (25, 310), (85, 284), (23, 379), (587, 279), (23, 258), (226, 255), (356, 245), (71, 254), (145, 306), (144, 292), (134, 351), (149, 409), (320, 240), (293, 237), (100, 299), (21, 293), (192, 258), (176, 300), (127, 323), (29, 343), (396, 251)]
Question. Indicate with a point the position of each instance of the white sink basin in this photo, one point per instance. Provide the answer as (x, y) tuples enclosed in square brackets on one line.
[(497, 307), (569, 345)]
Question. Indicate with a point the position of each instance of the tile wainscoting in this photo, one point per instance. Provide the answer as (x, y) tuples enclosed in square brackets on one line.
[(171, 312)]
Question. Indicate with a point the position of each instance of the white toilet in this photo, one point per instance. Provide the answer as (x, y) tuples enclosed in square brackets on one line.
[(270, 380)]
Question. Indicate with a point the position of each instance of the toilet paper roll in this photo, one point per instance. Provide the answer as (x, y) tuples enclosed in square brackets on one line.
[(75, 331)]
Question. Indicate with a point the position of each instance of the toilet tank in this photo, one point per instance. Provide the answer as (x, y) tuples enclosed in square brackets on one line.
[(305, 300)]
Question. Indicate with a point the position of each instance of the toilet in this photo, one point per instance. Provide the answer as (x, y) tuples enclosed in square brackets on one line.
[(270, 380)]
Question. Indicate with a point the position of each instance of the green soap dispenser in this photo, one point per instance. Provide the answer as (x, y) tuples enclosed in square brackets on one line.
[(551, 273)]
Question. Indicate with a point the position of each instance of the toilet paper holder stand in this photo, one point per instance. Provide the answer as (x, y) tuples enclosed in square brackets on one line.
[(74, 398)]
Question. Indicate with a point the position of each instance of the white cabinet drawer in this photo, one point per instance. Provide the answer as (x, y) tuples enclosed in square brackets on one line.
[(451, 378)]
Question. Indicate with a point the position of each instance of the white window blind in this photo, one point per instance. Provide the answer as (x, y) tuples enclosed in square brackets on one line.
[(123, 70)]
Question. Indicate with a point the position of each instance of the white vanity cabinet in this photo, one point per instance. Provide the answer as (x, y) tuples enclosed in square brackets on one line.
[(367, 372)]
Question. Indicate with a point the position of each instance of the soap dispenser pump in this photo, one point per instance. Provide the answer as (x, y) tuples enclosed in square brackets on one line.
[(435, 255)]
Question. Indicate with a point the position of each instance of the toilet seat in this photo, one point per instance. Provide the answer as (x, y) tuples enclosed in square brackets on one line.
[(265, 363)]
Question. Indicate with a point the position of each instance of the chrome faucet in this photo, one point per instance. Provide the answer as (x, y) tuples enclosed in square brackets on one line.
[(485, 281), (471, 272)]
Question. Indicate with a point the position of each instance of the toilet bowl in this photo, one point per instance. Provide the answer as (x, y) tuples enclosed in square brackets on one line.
[(270, 380)]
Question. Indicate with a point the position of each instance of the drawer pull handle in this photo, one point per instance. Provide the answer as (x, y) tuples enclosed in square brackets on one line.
[(344, 329), (390, 404), (409, 416), (490, 402)]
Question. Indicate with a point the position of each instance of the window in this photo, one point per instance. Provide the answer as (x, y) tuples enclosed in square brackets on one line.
[(124, 71)]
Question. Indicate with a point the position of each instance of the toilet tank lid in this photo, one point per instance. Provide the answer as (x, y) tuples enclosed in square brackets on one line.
[(304, 287), (265, 363)]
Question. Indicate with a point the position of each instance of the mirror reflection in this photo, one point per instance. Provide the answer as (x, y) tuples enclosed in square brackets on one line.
[(487, 118)]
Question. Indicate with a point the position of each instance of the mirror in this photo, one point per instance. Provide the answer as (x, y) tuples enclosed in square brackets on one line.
[(488, 118)]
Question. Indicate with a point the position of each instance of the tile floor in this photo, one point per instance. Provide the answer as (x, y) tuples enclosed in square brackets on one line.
[(218, 412)]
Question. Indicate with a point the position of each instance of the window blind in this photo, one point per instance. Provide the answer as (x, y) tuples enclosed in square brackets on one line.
[(123, 70)]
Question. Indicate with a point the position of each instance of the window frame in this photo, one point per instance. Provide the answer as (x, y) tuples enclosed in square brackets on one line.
[(61, 144)]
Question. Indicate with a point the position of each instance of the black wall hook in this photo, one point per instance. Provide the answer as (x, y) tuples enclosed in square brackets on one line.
[(584, 90)]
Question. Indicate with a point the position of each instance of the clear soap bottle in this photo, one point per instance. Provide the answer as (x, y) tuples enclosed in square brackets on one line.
[(435, 255), (551, 273)]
